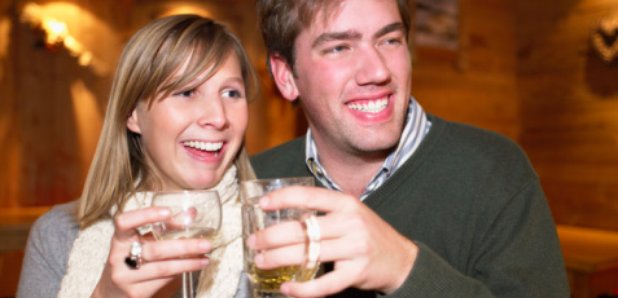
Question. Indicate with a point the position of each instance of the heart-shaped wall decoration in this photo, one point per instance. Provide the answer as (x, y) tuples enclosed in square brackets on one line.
[(605, 39)]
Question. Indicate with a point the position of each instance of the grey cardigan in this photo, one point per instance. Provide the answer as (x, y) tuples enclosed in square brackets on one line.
[(47, 254)]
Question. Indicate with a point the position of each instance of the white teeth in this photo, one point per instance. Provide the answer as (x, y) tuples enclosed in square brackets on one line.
[(204, 146), (370, 107)]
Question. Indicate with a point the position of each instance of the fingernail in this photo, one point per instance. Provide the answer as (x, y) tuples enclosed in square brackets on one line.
[(204, 261), (165, 212)]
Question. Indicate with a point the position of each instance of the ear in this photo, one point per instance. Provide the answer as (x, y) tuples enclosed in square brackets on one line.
[(284, 77), (133, 122)]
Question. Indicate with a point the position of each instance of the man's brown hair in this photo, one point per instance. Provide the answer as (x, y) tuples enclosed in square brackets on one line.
[(282, 20)]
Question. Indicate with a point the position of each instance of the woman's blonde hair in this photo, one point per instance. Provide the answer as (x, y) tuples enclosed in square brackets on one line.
[(148, 62)]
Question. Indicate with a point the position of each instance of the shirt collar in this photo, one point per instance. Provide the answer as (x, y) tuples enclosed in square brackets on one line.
[(416, 127)]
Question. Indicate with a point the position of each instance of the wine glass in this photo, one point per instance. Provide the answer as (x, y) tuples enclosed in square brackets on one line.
[(195, 214)]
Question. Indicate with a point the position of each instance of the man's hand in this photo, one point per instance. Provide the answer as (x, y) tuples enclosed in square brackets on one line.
[(368, 253)]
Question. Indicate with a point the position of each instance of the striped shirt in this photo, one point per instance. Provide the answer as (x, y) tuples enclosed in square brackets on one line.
[(417, 126)]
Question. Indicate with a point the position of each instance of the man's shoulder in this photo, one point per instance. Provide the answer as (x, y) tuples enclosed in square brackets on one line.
[(466, 138), (284, 160), (466, 150)]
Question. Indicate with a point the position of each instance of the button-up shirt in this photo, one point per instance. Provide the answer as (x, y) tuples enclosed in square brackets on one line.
[(417, 126)]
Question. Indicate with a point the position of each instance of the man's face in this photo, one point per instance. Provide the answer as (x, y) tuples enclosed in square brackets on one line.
[(353, 77)]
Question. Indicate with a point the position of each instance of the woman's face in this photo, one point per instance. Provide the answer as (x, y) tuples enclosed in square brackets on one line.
[(193, 135)]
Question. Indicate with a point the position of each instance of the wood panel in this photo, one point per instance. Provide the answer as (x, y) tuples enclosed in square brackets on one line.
[(569, 104), (526, 72), (589, 204), (591, 257), (9, 262), (51, 108), (476, 84), (47, 147)]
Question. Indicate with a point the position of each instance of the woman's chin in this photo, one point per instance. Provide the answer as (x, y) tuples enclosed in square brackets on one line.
[(203, 184)]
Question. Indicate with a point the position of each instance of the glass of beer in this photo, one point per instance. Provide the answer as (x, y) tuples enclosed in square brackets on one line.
[(267, 283)]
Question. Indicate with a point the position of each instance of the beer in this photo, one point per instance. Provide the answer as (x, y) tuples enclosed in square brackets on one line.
[(269, 281)]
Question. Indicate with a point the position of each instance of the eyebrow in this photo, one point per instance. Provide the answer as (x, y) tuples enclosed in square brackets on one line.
[(354, 35), (398, 26), (331, 36)]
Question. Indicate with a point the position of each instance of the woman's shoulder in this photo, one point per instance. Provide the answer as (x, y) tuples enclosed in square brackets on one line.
[(57, 224), (49, 243), (61, 213)]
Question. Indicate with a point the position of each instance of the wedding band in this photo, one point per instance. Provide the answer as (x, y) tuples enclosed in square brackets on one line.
[(134, 259), (313, 247)]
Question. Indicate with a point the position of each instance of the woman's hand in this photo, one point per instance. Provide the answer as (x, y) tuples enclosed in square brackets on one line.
[(163, 260)]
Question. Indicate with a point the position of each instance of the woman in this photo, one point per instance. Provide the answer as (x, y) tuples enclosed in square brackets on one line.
[(176, 119)]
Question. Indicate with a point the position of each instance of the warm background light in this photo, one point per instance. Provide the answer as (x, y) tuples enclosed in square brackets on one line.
[(64, 24), (174, 9), (525, 69)]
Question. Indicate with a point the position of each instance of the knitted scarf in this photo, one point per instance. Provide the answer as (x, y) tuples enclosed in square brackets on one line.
[(91, 248)]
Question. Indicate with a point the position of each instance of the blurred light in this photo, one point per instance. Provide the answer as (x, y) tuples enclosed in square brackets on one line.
[(56, 32), (186, 9)]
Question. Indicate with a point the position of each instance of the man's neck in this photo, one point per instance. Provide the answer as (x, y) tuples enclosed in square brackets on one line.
[(351, 172)]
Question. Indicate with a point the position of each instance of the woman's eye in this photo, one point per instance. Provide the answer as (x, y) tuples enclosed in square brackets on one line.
[(232, 93), (187, 93)]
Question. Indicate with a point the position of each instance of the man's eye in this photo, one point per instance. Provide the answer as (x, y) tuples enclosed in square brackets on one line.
[(336, 49), (393, 41)]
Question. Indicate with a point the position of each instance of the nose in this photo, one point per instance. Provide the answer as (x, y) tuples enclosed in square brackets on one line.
[(372, 67), (213, 113)]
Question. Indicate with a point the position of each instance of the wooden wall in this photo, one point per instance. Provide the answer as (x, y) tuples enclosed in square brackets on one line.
[(51, 108), (477, 83), (523, 69), (569, 104)]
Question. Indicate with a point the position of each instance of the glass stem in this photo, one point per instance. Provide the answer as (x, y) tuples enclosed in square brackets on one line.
[(187, 285)]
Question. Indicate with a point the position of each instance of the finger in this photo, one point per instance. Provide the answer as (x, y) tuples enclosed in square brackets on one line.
[(126, 223), (160, 270), (335, 225), (286, 233), (330, 283), (279, 257), (310, 198), (171, 268), (174, 249), (330, 250), (331, 226)]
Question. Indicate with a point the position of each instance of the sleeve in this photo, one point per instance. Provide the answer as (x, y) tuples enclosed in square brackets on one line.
[(517, 255), (47, 252)]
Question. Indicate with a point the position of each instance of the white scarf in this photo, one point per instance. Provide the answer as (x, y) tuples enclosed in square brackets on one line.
[(91, 248)]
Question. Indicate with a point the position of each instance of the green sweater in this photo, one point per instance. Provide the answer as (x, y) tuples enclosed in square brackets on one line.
[(473, 204)]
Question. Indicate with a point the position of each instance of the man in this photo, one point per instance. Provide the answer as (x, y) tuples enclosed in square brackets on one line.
[(414, 206)]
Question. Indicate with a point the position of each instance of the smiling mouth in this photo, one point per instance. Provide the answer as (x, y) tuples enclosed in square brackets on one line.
[(204, 146), (370, 106)]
